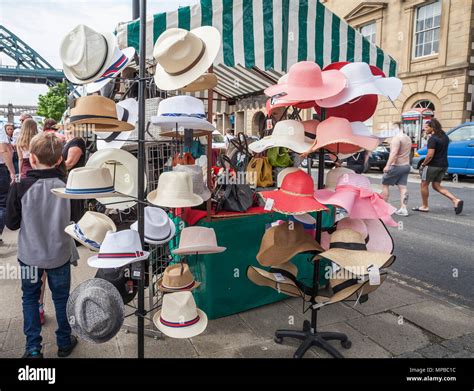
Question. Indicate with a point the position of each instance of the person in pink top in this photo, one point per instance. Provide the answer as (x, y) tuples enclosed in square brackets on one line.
[(397, 169)]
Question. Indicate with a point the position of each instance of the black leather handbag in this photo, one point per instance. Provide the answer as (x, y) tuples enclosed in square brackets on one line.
[(233, 197)]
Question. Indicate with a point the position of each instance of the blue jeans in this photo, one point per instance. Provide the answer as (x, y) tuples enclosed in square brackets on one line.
[(59, 281), (4, 187)]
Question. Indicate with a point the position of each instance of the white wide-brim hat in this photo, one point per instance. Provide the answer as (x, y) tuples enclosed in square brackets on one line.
[(118, 63), (127, 110), (92, 225), (126, 181), (212, 40), (288, 134), (362, 82), (84, 32)]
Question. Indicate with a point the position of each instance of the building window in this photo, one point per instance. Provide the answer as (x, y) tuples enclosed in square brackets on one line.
[(369, 31), (424, 104), (427, 26)]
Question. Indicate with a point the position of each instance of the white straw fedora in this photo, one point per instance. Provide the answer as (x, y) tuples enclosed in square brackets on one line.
[(87, 182), (199, 187), (175, 190), (198, 240), (183, 112), (179, 317), (86, 54), (120, 60), (206, 81), (91, 229), (361, 82), (182, 56), (176, 278), (123, 167), (127, 111), (119, 249), (288, 133), (159, 228)]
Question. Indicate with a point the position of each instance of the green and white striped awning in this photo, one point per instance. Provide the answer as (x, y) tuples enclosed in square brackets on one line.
[(261, 39)]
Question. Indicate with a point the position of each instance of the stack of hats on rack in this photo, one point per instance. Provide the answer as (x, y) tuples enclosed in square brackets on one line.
[(179, 316)]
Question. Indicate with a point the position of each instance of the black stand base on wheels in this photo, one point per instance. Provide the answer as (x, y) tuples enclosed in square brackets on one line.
[(313, 338)]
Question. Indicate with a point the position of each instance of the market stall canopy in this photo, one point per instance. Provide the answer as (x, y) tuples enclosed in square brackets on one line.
[(253, 53)]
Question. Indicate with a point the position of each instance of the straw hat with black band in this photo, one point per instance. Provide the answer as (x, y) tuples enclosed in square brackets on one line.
[(348, 250)]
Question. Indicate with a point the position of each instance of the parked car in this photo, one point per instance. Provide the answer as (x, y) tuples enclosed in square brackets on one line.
[(460, 151), (328, 162), (379, 157)]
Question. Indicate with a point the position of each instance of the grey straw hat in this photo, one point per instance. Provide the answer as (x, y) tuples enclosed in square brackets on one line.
[(95, 310)]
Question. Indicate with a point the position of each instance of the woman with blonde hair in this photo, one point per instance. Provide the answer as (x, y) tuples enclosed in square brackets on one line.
[(29, 129)]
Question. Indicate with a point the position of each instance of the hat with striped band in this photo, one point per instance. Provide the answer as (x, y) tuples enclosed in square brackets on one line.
[(119, 61), (87, 182), (91, 229), (159, 228), (179, 317), (119, 249)]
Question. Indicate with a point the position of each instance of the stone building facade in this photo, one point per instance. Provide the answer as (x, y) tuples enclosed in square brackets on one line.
[(433, 44)]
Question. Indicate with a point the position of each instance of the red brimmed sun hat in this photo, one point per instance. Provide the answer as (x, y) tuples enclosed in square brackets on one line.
[(295, 195)]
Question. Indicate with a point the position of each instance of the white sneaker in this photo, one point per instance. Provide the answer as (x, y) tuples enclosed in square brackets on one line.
[(402, 212)]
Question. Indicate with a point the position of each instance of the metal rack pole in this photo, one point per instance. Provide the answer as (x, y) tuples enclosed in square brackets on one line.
[(141, 169)]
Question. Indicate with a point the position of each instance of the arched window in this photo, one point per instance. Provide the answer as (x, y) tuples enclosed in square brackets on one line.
[(424, 104)]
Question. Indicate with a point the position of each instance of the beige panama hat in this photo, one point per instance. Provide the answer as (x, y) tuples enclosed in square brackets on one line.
[(198, 240), (179, 317), (199, 187), (87, 182), (182, 56), (175, 190), (207, 81), (176, 278), (91, 229)]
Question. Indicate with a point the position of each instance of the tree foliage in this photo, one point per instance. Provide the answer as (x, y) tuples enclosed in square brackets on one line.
[(53, 103)]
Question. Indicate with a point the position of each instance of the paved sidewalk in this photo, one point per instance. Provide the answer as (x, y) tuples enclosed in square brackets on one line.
[(396, 321)]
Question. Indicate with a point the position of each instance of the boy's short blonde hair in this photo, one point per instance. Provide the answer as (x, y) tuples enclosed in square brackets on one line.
[(47, 148)]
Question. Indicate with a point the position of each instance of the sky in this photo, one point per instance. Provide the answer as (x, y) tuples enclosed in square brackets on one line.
[(43, 23)]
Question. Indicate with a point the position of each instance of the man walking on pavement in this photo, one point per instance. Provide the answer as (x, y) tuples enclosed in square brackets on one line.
[(397, 169), (435, 165)]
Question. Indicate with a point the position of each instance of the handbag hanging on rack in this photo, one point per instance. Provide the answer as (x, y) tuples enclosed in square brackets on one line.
[(184, 158), (231, 196), (279, 157), (239, 152), (259, 172)]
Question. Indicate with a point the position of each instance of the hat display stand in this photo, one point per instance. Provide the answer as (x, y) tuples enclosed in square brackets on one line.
[(310, 336)]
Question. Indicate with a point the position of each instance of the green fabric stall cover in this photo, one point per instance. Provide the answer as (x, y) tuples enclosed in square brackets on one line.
[(225, 288)]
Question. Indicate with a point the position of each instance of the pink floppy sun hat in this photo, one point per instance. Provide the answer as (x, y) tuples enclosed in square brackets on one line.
[(306, 82), (354, 194), (336, 135), (376, 235)]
